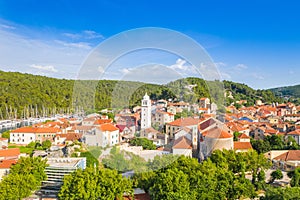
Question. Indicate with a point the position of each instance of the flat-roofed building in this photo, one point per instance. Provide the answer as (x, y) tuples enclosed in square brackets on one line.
[(56, 170)]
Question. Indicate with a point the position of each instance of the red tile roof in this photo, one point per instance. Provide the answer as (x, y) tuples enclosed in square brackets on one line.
[(235, 127), (206, 123), (71, 136), (102, 121), (271, 131), (6, 164), (184, 122), (291, 155), (121, 127), (9, 152), (217, 132), (36, 130), (244, 136), (182, 143), (295, 132), (108, 127), (242, 145)]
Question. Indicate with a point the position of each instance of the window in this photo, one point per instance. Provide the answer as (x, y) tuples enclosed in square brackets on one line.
[(22, 140), (23, 135), (30, 138)]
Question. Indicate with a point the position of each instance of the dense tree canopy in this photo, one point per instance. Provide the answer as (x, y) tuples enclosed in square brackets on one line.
[(24, 178), (282, 193), (274, 142), (27, 94), (5, 134), (94, 184), (144, 142), (295, 177), (277, 174), (220, 177), (30, 165), (46, 144)]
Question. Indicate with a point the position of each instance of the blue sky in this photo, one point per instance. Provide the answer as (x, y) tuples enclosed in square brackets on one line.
[(253, 42)]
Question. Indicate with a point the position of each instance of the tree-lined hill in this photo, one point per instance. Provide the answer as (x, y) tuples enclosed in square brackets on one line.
[(27, 94), (289, 91), (292, 93)]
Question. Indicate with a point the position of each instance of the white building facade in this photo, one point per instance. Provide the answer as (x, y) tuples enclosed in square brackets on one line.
[(146, 112)]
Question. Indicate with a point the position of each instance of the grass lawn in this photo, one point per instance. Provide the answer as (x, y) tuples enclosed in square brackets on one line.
[(23, 149), (95, 151)]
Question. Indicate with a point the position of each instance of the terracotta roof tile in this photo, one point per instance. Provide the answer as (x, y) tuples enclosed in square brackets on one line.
[(73, 136), (102, 121), (295, 132), (108, 127), (182, 143), (217, 132), (289, 156), (6, 164), (9, 152), (242, 145), (244, 136), (184, 122), (206, 123), (36, 130)]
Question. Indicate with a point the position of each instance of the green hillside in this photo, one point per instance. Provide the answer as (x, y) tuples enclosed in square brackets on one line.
[(27, 94), (30, 94), (289, 91)]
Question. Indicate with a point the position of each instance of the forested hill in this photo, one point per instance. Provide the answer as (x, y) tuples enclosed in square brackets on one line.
[(289, 91), (29, 94), (202, 88), (244, 92)]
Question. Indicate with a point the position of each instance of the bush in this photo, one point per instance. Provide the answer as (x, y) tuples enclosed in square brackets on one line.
[(144, 142)]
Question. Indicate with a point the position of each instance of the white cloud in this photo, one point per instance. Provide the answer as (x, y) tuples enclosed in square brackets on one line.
[(101, 69), (7, 26), (220, 64), (240, 67), (225, 76), (19, 52), (86, 34), (81, 45), (72, 35), (125, 70), (181, 66), (48, 68), (258, 76)]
